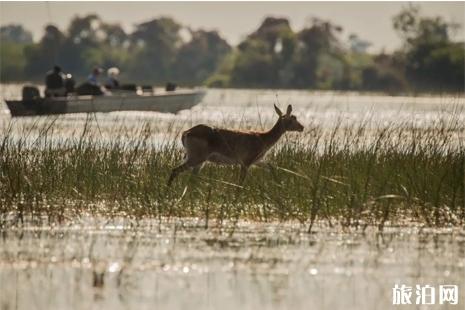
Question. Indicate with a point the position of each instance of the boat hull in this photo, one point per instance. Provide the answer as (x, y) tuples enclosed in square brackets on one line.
[(168, 102)]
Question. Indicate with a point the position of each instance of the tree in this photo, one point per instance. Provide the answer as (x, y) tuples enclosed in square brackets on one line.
[(84, 30), (432, 61), (81, 50), (197, 59), (318, 55), (16, 34), (113, 35), (154, 45), (14, 39), (12, 61), (358, 45), (43, 56), (254, 66), (264, 58)]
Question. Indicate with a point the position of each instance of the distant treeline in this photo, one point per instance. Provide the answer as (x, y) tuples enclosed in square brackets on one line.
[(273, 56)]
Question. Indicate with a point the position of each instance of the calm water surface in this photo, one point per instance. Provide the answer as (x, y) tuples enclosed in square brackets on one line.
[(254, 109)]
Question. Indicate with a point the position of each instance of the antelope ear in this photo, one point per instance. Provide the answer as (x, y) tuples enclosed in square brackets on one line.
[(278, 111), (289, 110)]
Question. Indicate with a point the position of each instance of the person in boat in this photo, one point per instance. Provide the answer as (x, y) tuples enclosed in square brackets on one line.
[(92, 85), (54, 83), (112, 82), (112, 79), (92, 79)]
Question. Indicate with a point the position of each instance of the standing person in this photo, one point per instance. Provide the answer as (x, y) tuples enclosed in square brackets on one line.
[(54, 83)]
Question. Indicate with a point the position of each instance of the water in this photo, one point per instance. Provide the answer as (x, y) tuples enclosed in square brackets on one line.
[(179, 264), (254, 109), (101, 263)]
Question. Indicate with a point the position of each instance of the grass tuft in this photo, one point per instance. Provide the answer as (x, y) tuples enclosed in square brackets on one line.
[(356, 176)]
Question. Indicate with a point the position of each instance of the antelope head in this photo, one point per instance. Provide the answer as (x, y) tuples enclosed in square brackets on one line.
[(288, 121)]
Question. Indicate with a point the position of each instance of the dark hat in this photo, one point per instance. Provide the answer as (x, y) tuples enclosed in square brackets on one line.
[(57, 68), (97, 70)]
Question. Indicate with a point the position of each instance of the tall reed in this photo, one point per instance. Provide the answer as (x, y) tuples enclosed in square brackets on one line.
[(352, 175)]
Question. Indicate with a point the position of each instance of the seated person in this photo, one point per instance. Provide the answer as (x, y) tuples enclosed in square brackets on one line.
[(92, 79), (112, 81), (54, 83), (92, 85)]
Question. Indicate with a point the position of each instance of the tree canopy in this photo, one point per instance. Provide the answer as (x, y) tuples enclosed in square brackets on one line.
[(154, 52), (317, 58), (272, 56), (431, 59)]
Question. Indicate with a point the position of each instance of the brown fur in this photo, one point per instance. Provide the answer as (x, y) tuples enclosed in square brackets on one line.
[(224, 146)]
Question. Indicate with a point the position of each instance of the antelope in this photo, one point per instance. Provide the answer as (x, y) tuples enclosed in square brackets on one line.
[(232, 147)]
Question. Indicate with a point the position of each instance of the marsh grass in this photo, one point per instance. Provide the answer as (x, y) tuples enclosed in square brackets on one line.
[(351, 176)]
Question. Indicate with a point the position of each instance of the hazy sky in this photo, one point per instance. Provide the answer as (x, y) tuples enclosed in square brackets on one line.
[(234, 20)]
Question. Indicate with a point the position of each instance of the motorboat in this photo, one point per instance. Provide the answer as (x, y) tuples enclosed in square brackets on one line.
[(158, 101)]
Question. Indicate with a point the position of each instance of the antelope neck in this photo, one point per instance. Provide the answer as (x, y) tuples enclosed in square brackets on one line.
[(272, 136)]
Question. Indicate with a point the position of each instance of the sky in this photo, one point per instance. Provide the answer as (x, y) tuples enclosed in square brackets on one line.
[(371, 21)]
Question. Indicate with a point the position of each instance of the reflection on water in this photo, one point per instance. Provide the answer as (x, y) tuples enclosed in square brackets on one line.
[(180, 264)]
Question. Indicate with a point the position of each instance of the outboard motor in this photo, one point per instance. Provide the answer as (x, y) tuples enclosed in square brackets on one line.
[(69, 83), (30, 93)]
